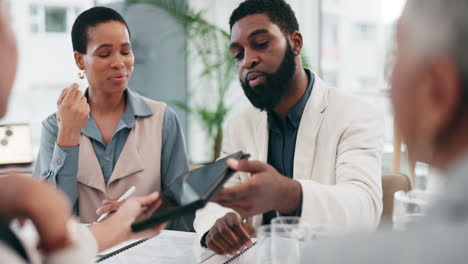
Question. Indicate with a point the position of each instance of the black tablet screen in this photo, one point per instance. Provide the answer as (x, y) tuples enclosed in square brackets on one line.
[(199, 183), (189, 192)]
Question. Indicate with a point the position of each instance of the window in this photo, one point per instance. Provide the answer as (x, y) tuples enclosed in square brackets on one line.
[(34, 28), (367, 83), (331, 78), (50, 19), (77, 11), (330, 31), (364, 35), (365, 31), (330, 51), (35, 18), (33, 10), (55, 19), (43, 27)]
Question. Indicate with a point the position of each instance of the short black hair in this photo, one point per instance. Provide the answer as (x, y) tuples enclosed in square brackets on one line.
[(279, 12), (88, 19)]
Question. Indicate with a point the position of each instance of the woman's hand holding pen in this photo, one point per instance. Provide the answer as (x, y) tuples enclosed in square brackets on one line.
[(72, 116), (109, 206), (117, 227)]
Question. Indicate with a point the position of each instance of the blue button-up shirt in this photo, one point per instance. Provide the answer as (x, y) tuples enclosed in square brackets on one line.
[(108, 155), (60, 165), (282, 140)]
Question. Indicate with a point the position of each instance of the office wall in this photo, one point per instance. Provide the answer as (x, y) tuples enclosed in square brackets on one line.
[(160, 63)]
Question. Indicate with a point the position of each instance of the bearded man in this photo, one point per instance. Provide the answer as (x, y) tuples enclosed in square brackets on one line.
[(315, 152)]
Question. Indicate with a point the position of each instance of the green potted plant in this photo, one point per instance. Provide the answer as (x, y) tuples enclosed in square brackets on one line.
[(208, 45)]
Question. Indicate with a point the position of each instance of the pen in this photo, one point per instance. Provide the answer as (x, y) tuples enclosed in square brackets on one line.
[(125, 196)]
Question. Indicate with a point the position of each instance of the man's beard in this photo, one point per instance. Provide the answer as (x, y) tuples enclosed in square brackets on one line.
[(266, 96)]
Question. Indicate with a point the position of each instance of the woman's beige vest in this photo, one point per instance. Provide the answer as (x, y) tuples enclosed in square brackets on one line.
[(139, 164)]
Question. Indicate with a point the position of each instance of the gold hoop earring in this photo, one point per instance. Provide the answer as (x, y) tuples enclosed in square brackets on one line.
[(81, 75)]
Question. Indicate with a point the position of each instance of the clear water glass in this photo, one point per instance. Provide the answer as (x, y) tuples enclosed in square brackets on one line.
[(289, 237), (409, 208), (263, 247)]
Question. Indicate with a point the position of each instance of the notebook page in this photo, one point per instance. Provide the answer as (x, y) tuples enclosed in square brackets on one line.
[(117, 247), (246, 257), (169, 247)]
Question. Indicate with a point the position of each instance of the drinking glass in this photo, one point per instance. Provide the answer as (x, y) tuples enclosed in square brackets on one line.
[(409, 208), (289, 236), (263, 246)]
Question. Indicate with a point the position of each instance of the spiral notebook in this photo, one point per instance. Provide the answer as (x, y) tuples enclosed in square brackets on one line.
[(172, 247), (169, 247), (118, 249), (247, 256)]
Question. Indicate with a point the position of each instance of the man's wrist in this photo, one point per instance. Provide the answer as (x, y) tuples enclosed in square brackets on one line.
[(292, 190)]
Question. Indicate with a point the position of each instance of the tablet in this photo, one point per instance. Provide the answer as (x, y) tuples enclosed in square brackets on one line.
[(190, 192)]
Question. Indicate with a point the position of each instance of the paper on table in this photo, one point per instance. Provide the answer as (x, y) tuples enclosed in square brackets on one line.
[(117, 247), (168, 247), (246, 257)]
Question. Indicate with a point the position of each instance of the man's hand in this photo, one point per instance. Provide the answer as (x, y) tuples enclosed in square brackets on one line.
[(73, 114), (266, 190), (229, 235), (117, 227)]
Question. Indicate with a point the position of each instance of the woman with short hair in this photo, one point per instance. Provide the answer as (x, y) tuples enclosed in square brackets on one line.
[(110, 138)]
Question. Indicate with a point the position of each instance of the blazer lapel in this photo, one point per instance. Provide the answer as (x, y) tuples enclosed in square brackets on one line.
[(311, 122), (129, 161)]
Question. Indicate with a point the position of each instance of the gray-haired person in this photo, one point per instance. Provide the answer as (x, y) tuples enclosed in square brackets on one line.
[(430, 101)]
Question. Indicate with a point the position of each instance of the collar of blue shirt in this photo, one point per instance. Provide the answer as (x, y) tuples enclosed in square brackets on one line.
[(135, 107), (295, 113)]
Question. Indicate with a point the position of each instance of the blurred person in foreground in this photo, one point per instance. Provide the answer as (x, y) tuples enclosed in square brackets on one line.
[(61, 239), (430, 102)]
